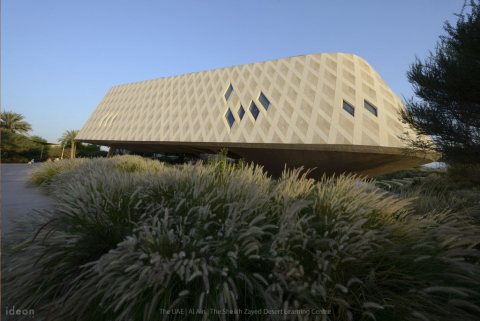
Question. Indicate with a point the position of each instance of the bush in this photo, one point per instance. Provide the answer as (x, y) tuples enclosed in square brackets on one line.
[(465, 172), (48, 171), (436, 191), (126, 241), (132, 163), (17, 148)]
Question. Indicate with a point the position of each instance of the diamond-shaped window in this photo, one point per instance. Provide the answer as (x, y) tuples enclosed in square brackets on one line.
[(264, 101), (229, 91), (254, 110), (241, 112), (230, 118)]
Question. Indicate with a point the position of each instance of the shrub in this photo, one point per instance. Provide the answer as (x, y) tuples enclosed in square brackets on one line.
[(49, 172), (465, 172), (433, 191), (46, 173), (17, 148), (123, 245), (132, 163)]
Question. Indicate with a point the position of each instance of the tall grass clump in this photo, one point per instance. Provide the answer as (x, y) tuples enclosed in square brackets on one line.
[(46, 173), (134, 163), (435, 191), (49, 172), (207, 238)]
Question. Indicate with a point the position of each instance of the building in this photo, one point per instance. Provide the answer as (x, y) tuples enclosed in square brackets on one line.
[(329, 111)]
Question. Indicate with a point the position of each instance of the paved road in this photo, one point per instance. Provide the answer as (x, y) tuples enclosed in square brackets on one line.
[(18, 199)]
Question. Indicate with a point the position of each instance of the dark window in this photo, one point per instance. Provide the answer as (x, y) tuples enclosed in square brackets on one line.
[(370, 107), (229, 91), (241, 112), (264, 101), (230, 118), (254, 110), (349, 108)]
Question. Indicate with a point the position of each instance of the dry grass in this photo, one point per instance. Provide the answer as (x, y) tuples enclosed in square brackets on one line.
[(125, 241)]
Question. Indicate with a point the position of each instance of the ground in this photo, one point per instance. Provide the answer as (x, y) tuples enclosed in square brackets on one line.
[(17, 198)]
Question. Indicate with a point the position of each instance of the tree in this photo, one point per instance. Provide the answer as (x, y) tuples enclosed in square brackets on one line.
[(68, 138), (43, 143), (14, 122), (447, 89), (90, 150), (17, 148)]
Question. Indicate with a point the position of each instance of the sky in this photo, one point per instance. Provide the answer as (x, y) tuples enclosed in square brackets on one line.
[(59, 58)]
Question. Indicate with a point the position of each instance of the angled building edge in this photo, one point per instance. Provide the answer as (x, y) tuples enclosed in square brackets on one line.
[(328, 112)]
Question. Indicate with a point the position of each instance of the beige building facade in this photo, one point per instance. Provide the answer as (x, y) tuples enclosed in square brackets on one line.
[(329, 111)]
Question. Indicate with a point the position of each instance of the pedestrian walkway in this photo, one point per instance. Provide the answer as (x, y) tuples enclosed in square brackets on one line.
[(17, 198)]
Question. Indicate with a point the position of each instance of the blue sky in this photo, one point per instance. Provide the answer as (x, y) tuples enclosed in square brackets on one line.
[(60, 57)]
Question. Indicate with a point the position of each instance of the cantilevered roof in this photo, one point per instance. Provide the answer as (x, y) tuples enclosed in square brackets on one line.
[(318, 105)]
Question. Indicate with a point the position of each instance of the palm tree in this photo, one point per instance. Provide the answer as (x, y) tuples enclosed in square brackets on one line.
[(68, 137), (14, 122)]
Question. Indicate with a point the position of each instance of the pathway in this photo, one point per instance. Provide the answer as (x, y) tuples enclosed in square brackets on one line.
[(18, 199)]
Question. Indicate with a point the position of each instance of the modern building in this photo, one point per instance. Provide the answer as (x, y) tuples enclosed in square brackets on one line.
[(330, 111)]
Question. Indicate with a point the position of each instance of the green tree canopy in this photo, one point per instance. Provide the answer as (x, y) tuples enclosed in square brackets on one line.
[(447, 89), (68, 138), (20, 148), (38, 139), (14, 122)]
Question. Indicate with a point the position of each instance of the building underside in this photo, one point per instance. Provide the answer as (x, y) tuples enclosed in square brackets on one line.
[(319, 159)]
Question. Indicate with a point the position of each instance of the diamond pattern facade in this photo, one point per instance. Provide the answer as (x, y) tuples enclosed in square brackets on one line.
[(305, 96)]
